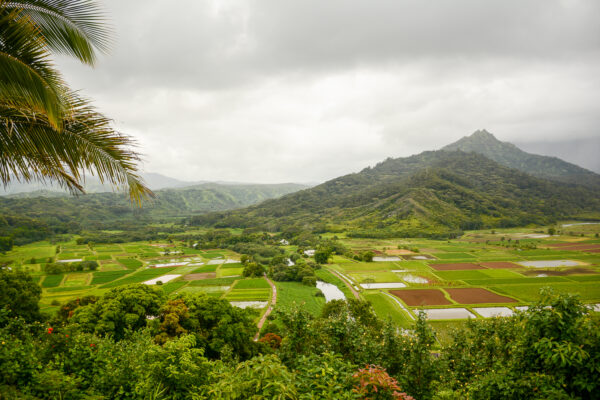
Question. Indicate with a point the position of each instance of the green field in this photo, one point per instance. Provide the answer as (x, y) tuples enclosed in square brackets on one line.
[(291, 294), (125, 264)]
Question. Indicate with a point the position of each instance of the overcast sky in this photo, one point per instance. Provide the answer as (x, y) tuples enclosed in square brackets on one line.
[(307, 90)]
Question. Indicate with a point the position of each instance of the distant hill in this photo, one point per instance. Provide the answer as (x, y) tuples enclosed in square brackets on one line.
[(92, 185), (434, 193), (508, 154), (51, 212)]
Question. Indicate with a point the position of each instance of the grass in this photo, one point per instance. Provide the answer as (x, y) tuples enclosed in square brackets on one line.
[(214, 291), (130, 263), (140, 276), (221, 273), (171, 287), (76, 279), (67, 289), (52, 281), (111, 267), (385, 308), (252, 283), (232, 265), (585, 278), (587, 291), (374, 276), (516, 281), (455, 256), (294, 294), (109, 276), (205, 268), (214, 282), (460, 275), (248, 294), (373, 266)]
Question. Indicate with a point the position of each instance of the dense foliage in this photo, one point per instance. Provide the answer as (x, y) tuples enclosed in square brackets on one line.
[(26, 219), (197, 347)]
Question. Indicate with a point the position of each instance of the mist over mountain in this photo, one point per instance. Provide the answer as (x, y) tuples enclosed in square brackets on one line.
[(474, 183), (584, 152), (509, 155)]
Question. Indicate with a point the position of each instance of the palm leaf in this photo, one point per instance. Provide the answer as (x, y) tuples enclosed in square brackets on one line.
[(31, 149), (73, 27), (26, 75)]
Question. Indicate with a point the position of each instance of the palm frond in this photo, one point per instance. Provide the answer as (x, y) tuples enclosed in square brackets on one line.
[(87, 142), (73, 27), (26, 75)]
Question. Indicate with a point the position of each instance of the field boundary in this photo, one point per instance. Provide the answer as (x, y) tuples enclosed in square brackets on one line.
[(269, 309)]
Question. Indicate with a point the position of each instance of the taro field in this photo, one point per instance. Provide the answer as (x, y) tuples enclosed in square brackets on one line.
[(481, 275), (174, 269)]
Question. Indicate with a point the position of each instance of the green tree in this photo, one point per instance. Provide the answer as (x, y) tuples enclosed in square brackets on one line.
[(263, 377), (322, 256), (6, 243), (39, 111), (368, 256), (19, 296), (120, 310), (218, 326), (253, 270)]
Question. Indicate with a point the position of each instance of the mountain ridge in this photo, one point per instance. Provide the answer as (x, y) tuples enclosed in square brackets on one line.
[(438, 192), (507, 154)]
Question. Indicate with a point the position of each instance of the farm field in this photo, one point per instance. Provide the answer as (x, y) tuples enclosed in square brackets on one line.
[(482, 274)]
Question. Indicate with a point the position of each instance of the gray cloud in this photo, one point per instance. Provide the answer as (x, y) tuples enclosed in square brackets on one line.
[(272, 90)]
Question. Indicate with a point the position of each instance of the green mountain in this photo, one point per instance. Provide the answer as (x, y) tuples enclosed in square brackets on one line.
[(26, 215), (508, 154), (435, 193)]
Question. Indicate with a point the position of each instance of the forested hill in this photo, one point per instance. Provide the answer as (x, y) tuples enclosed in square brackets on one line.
[(25, 215), (432, 193), (509, 155)]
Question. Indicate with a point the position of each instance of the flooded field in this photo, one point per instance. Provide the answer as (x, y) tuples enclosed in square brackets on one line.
[(448, 313), (331, 292), (549, 263)]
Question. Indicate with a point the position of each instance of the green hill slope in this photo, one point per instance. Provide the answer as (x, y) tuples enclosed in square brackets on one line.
[(433, 193), (508, 154), (30, 216)]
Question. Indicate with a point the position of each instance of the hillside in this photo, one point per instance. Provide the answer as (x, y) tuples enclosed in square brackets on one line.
[(433, 193), (25, 215), (91, 185), (509, 155)]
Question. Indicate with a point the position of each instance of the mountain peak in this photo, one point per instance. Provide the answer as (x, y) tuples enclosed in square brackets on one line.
[(482, 133), (505, 153)]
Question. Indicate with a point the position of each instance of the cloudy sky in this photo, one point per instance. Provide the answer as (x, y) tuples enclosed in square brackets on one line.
[(307, 90)]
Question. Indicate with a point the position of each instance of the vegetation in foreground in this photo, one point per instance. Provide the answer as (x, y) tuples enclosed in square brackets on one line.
[(136, 342)]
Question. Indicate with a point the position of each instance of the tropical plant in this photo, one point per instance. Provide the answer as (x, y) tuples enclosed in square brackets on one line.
[(47, 131)]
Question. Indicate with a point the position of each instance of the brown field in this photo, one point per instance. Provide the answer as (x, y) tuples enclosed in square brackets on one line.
[(396, 252), (422, 297), (587, 247), (455, 266), (477, 296), (554, 272), (500, 265), (197, 277)]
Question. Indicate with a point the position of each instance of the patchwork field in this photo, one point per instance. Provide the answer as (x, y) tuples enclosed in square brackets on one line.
[(483, 274)]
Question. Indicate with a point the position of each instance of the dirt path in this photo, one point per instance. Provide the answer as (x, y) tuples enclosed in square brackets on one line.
[(348, 284), (268, 312)]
